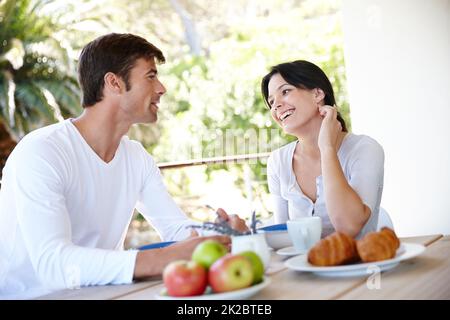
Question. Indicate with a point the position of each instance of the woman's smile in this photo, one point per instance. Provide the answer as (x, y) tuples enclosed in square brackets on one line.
[(286, 114)]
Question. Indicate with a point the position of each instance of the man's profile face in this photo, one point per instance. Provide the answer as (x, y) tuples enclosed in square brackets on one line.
[(140, 102)]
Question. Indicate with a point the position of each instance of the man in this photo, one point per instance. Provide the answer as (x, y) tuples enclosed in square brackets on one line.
[(69, 189)]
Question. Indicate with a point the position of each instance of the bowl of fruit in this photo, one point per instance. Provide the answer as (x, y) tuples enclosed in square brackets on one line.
[(214, 273)]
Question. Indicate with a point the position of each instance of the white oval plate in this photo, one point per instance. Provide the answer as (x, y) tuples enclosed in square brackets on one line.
[(231, 295), (288, 251), (406, 251)]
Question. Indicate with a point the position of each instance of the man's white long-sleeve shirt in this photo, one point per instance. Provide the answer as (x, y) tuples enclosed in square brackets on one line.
[(64, 212)]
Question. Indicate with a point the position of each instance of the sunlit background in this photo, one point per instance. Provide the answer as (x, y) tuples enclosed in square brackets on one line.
[(395, 55)]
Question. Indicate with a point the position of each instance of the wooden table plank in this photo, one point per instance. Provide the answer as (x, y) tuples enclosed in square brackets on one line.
[(293, 285), (425, 240), (424, 277), (283, 286), (100, 292)]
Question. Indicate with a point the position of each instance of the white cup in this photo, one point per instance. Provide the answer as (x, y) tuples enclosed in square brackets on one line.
[(252, 242), (304, 232)]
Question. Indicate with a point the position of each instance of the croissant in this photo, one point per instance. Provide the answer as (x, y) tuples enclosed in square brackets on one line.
[(336, 249), (376, 246)]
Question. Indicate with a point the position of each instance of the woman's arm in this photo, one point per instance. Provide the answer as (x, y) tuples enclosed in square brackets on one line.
[(346, 209)]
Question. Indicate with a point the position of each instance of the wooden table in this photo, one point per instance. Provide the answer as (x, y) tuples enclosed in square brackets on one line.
[(424, 277)]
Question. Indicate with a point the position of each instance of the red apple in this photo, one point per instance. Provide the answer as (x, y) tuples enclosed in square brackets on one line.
[(231, 272), (185, 278)]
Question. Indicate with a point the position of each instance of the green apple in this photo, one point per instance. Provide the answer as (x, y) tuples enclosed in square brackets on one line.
[(207, 252), (231, 272), (257, 265)]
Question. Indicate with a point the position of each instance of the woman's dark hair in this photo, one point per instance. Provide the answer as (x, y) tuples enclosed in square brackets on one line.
[(115, 53), (305, 75)]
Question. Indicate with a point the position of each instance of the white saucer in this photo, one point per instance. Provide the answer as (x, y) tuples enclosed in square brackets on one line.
[(289, 251), (405, 252)]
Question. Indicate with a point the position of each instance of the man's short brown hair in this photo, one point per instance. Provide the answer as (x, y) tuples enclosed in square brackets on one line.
[(116, 53)]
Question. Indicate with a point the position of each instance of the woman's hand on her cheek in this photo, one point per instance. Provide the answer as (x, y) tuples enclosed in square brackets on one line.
[(330, 128)]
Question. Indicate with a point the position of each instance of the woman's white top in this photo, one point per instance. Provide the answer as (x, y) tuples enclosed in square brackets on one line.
[(362, 161)]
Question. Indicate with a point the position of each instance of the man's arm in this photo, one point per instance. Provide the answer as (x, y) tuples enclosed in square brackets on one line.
[(152, 262), (158, 207)]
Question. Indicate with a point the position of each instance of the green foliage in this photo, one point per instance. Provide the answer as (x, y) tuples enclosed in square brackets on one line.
[(37, 85), (214, 106)]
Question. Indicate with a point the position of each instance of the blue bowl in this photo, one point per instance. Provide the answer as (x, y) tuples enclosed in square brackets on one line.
[(275, 227), (156, 245), (276, 235)]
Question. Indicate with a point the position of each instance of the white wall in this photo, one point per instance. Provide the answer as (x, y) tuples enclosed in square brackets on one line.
[(397, 55)]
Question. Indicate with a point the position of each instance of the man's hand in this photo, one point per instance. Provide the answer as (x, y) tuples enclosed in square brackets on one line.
[(233, 220), (152, 262)]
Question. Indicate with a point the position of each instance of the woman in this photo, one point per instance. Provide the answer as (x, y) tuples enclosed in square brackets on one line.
[(327, 172)]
